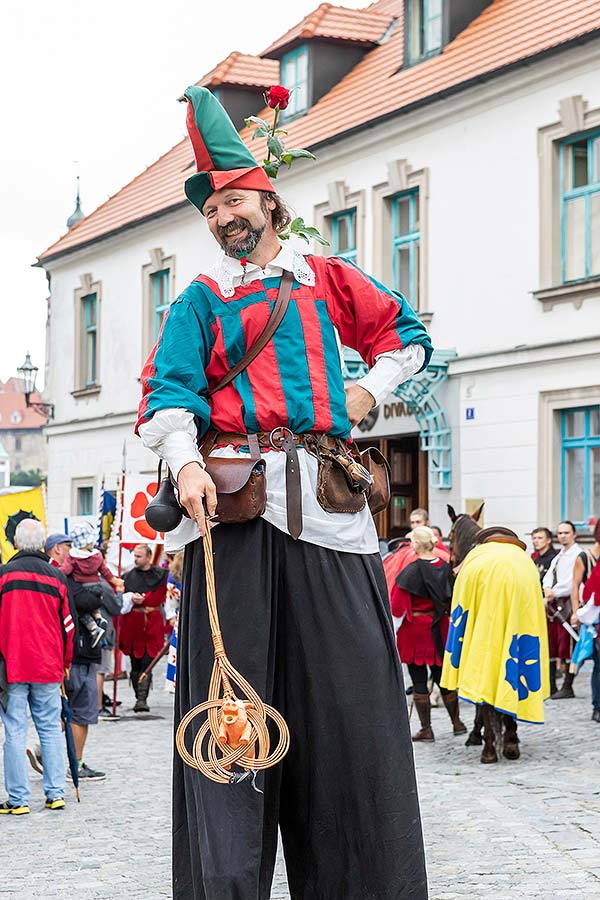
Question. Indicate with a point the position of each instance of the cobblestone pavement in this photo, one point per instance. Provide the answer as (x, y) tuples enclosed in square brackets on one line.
[(529, 829)]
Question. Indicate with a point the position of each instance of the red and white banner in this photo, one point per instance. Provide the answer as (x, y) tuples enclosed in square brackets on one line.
[(139, 490)]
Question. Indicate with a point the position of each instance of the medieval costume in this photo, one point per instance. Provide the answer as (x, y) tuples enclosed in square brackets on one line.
[(302, 599), (421, 601), (142, 630), (402, 557), (497, 650), (542, 560), (559, 578)]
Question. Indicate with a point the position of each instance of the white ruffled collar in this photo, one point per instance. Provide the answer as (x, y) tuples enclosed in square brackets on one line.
[(228, 272)]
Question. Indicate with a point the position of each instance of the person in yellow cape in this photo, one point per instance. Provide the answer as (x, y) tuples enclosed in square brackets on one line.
[(497, 646)]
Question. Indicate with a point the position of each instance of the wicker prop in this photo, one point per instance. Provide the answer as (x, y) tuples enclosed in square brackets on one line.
[(235, 730)]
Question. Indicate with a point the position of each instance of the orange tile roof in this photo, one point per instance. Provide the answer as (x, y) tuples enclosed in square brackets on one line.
[(14, 415), (242, 68), (338, 22), (507, 32)]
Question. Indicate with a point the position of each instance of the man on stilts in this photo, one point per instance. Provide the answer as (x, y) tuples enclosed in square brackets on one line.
[(302, 595)]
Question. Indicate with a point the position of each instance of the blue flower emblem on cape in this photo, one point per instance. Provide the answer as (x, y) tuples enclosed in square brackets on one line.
[(456, 634), (523, 669)]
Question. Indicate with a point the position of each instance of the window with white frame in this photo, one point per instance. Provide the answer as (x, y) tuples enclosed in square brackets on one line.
[(580, 207), (406, 240), (569, 210), (424, 28), (294, 77), (580, 463)]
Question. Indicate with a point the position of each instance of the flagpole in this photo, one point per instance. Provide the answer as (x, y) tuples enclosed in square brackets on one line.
[(117, 665)]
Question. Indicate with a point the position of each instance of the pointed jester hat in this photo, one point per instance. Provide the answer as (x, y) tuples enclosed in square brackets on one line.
[(222, 158)]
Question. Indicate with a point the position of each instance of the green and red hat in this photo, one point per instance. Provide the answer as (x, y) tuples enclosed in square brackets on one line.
[(222, 158)]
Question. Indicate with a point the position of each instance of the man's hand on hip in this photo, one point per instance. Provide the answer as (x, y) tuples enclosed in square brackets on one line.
[(195, 484), (358, 403)]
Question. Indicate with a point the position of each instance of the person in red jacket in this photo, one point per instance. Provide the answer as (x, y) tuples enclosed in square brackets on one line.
[(142, 630), (591, 590), (36, 645)]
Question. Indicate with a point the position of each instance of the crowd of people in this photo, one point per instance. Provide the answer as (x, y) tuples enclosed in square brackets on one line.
[(59, 603), (421, 573), (62, 613)]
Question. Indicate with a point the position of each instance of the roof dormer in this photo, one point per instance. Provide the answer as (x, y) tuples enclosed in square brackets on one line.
[(239, 82), (320, 50), (431, 24)]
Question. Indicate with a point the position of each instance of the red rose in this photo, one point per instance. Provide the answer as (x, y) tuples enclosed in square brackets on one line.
[(277, 96)]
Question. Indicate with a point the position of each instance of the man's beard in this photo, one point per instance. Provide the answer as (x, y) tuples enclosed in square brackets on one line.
[(247, 244)]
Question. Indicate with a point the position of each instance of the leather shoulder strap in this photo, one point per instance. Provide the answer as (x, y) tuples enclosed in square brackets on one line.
[(273, 323)]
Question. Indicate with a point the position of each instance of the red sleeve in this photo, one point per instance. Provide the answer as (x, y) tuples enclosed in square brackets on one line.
[(68, 626), (106, 573), (67, 566), (592, 586), (157, 596), (401, 603), (370, 318)]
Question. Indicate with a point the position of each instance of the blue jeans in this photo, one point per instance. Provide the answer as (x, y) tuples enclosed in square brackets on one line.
[(45, 705), (596, 676)]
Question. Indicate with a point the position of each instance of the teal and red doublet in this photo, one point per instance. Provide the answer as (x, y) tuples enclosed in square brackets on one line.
[(296, 381)]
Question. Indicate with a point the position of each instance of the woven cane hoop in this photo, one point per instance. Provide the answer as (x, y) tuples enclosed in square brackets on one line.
[(219, 758)]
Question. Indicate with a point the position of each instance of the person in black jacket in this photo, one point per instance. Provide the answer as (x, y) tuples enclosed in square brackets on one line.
[(81, 687)]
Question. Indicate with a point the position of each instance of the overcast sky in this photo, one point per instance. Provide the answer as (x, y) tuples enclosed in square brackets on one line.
[(97, 84)]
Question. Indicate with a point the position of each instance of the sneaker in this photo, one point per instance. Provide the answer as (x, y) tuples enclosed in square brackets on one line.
[(35, 759), (14, 809), (59, 803), (107, 701), (90, 774), (97, 634), (106, 715), (596, 715)]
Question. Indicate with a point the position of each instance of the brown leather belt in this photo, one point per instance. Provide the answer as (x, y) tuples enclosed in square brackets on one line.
[(214, 439), (287, 442)]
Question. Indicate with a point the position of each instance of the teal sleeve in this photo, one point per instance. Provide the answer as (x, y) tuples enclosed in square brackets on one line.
[(174, 373)]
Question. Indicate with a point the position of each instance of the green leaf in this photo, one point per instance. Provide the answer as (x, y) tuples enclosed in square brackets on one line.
[(300, 154), (260, 132), (271, 167), (306, 232), (275, 146), (284, 235), (254, 120)]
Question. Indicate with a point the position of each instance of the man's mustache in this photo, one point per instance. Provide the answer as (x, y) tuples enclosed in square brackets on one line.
[(236, 225)]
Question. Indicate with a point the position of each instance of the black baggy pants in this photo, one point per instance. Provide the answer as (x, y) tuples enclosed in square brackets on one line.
[(311, 630)]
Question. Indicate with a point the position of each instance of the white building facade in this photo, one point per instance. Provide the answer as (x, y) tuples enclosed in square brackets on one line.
[(482, 206)]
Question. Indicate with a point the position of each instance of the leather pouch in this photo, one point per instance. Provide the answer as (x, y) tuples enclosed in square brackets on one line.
[(334, 489), (241, 494), (241, 488), (375, 462)]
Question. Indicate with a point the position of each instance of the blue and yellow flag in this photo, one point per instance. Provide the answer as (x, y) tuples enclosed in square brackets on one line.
[(14, 507), (107, 511), (497, 647)]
